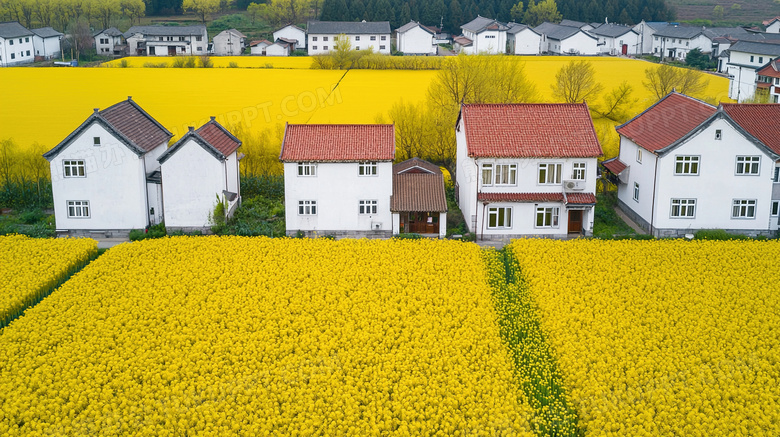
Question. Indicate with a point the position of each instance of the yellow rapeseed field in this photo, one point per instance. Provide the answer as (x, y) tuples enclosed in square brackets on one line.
[(662, 337), (31, 267), (256, 336)]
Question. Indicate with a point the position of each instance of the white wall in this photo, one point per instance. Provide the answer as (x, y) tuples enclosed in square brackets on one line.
[(104, 48), (317, 43), (228, 44), (259, 49), (290, 32), (774, 27), (277, 50), (191, 46), (579, 43), (488, 41), (338, 188), (742, 82), (614, 45), (115, 184), (662, 45), (525, 42), (192, 180), (416, 41), (645, 37), (22, 49), (47, 47), (642, 173), (467, 177)]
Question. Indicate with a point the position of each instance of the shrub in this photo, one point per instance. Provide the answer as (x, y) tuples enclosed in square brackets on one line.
[(155, 65), (206, 62), (233, 65), (719, 235)]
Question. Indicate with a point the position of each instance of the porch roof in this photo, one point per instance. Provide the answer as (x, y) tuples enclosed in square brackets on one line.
[(417, 191)]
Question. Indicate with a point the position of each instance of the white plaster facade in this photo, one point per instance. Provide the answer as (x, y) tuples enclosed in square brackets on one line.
[(47, 43), (167, 40), (745, 59), (678, 48), (524, 42), (229, 42), (414, 39), (292, 32), (625, 44), (108, 41), (773, 27), (278, 49), (258, 48), (580, 43), (322, 36), (16, 45)]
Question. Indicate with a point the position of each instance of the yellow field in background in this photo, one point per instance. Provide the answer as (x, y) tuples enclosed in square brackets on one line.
[(300, 62), (46, 104)]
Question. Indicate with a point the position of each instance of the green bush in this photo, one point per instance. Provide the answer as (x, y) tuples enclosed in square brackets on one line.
[(410, 236), (156, 231), (718, 235)]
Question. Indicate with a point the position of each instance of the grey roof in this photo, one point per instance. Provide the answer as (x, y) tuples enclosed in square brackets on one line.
[(515, 28), (289, 25), (411, 25), (759, 48), (728, 31), (556, 31), (611, 30), (233, 31), (573, 23), (12, 29), (348, 27), (479, 24), (198, 29), (47, 32), (657, 25), (687, 32), (111, 31)]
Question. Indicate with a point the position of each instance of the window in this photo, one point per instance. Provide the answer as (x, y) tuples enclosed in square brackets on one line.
[(381, 47), (683, 208), (718, 134), (198, 38), (748, 165), (547, 217), (95, 141), (639, 155), (170, 38), (549, 173), (686, 165), (78, 209), (776, 178), (656, 38), (367, 207), (373, 38), (743, 209), (324, 38), (314, 47), (367, 169), (200, 49), (775, 207), (103, 40), (13, 55), (506, 174), (357, 47), (578, 171), (27, 39), (181, 38), (314, 38), (487, 174), (383, 38), (10, 42), (162, 39), (324, 47), (751, 58), (636, 191), (307, 207), (74, 168), (499, 218), (687, 43), (760, 59), (357, 37), (28, 53), (307, 169)]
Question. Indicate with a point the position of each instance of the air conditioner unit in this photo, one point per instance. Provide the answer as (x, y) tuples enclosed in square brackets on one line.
[(573, 185), (376, 226)]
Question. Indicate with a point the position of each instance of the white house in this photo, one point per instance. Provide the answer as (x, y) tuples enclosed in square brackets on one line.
[(772, 25), (229, 42), (47, 43), (415, 39), (488, 36), (744, 59), (16, 44), (526, 169), (110, 42), (646, 31), (280, 48), (578, 24), (167, 40), (523, 40), (418, 203), (616, 39), (676, 41), (196, 171), (258, 48), (105, 174), (461, 44), (768, 82), (362, 35), (292, 33), (685, 165), (338, 179), (566, 40)]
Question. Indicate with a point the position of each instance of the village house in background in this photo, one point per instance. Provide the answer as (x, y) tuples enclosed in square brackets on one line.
[(362, 35), (745, 58), (486, 36), (16, 44), (523, 40), (258, 48), (229, 42), (167, 40), (557, 39), (110, 42), (685, 165), (293, 35), (616, 39), (415, 39), (527, 169), (47, 43), (768, 82)]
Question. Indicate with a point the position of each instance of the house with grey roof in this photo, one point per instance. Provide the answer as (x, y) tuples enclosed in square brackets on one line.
[(292, 33), (745, 58), (488, 36), (646, 30), (362, 35), (557, 39), (415, 39), (578, 24), (16, 44), (110, 42), (674, 42), (47, 43), (229, 42), (167, 40), (523, 40), (617, 39)]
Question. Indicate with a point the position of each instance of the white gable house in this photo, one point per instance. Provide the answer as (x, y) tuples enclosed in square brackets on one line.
[(488, 36), (374, 35), (229, 42), (566, 40), (685, 165), (676, 41), (258, 48), (415, 39), (167, 40), (523, 40), (109, 42), (196, 171), (105, 174), (526, 169), (338, 179), (745, 58), (615, 39), (47, 43), (292, 33), (16, 44)]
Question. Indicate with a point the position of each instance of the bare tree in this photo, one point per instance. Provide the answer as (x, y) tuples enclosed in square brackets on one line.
[(617, 103), (662, 80), (576, 82)]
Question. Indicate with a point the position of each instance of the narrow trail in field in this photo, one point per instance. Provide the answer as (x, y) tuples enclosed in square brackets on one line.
[(329, 94)]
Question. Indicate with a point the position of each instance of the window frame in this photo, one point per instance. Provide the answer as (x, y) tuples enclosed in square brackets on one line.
[(73, 166), (681, 161), (718, 134), (367, 207), (635, 195), (639, 155), (747, 205), (745, 163), (774, 210), (78, 205), (511, 170), (683, 205), (501, 216), (307, 207), (371, 166), (776, 176), (307, 167), (486, 167), (96, 141), (547, 167), (551, 213), (579, 171)]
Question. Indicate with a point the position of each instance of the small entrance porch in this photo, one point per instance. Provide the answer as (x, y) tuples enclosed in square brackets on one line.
[(419, 222)]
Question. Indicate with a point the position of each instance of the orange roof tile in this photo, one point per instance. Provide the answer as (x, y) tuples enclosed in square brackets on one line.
[(529, 130), (571, 198), (760, 120), (666, 121), (614, 165), (218, 137), (338, 142)]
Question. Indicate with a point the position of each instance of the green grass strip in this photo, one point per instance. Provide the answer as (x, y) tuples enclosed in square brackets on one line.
[(535, 366)]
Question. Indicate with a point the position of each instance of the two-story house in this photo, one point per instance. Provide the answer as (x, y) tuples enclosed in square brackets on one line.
[(685, 165), (229, 42), (110, 42), (167, 40), (338, 179), (616, 39), (745, 58), (47, 42), (362, 35), (415, 39), (292, 34), (105, 173), (646, 31), (768, 82), (488, 36), (199, 169), (16, 44), (569, 40), (523, 40), (675, 42), (526, 169)]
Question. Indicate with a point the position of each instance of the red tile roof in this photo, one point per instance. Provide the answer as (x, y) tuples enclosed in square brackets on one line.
[(418, 192), (219, 137), (615, 165), (529, 130), (581, 198), (338, 142), (760, 120), (666, 121), (416, 165), (571, 198), (134, 123), (772, 69)]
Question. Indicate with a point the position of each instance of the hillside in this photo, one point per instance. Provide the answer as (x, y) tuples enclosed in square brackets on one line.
[(748, 11)]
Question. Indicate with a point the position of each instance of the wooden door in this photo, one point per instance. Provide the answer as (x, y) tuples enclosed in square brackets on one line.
[(575, 221), (625, 49), (171, 50)]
